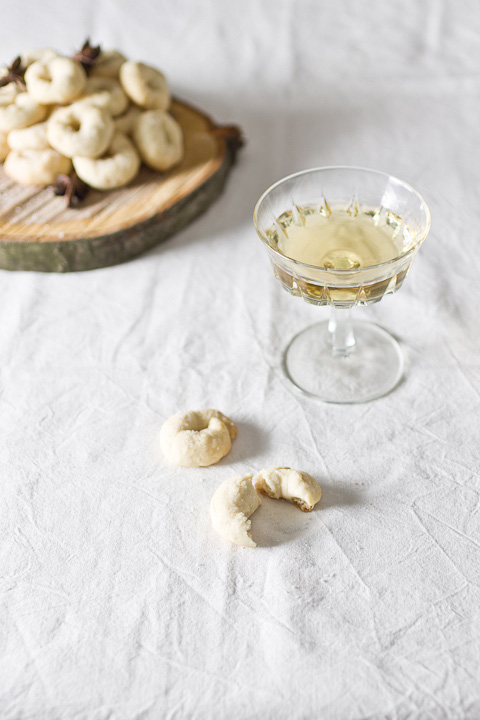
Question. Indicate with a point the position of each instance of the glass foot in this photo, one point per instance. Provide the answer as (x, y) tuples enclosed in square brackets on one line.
[(372, 368)]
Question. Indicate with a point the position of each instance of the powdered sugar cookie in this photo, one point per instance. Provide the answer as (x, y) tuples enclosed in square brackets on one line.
[(38, 55), (8, 92), (298, 487), (30, 138), (234, 501), (105, 93), (108, 64), (22, 112), (197, 438), (159, 139), (145, 85), (59, 80), (125, 123), (36, 167), (80, 130), (115, 169)]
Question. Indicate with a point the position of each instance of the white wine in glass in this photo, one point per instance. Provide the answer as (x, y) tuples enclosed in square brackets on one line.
[(342, 236)]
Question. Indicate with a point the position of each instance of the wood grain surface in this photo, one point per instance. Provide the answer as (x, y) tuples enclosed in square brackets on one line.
[(37, 231)]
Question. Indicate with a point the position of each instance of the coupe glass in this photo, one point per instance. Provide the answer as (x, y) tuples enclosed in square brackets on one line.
[(342, 360)]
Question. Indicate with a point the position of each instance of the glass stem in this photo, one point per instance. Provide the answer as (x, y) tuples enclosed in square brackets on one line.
[(341, 332)]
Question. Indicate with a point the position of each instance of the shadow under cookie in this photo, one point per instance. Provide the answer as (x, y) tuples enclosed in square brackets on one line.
[(277, 522)]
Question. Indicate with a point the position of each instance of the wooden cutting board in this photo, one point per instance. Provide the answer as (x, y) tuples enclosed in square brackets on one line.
[(37, 231)]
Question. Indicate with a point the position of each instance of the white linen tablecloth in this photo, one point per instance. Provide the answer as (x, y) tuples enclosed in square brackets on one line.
[(117, 600)]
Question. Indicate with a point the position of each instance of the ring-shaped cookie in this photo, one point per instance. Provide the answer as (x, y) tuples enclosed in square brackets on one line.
[(22, 112), (145, 85), (39, 54), (108, 64), (117, 168), (299, 488), (159, 139), (30, 138), (59, 80), (126, 122), (80, 130), (36, 167), (197, 438), (105, 93), (234, 501), (8, 92)]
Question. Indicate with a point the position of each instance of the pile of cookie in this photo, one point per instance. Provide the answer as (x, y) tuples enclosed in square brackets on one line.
[(199, 438), (95, 112)]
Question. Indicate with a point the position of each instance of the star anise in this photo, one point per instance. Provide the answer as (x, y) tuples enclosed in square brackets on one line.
[(87, 56), (15, 73), (74, 189)]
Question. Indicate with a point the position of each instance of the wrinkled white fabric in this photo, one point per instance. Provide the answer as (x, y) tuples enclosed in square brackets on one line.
[(117, 599)]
